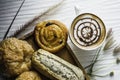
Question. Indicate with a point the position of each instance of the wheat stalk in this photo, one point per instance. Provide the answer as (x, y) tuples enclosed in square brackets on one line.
[(107, 46), (116, 49), (109, 40), (31, 22), (5, 36)]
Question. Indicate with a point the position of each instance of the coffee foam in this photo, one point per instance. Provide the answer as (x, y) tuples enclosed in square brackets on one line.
[(87, 31)]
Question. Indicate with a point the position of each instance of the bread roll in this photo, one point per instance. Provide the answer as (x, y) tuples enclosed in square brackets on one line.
[(15, 56), (29, 75), (54, 67)]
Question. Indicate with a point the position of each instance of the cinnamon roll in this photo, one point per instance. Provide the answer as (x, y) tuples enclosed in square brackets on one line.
[(51, 35)]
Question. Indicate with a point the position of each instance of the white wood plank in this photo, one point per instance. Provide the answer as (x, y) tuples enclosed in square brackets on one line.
[(7, 8), (108, 11)]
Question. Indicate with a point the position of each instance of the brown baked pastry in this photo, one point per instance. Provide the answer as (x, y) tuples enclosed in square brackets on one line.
[(16, 56), (29, 75), (51, 35), (55, 67)]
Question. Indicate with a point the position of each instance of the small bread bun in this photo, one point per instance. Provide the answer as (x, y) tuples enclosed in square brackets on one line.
[(29, 75), (51, 35), (15, 56)]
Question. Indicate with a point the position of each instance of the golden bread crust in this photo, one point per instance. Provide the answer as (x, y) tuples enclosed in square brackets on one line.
[(29, 75), (51, 35), (16, 55)]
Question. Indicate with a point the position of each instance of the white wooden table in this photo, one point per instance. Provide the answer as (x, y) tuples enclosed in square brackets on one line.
[(107, 10)]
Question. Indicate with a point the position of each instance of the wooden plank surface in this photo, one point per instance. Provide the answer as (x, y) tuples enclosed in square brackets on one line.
[(8, 10)]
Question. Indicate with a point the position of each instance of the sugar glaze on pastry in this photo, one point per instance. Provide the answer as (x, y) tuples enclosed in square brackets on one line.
[(51, 35)]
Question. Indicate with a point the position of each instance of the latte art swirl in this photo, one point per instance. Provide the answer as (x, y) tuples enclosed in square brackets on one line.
[(87, 31)]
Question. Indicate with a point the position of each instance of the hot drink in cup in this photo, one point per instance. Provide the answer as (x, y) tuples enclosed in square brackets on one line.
[(87, 31)]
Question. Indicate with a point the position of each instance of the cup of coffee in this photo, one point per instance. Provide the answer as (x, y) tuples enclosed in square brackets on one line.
[(87, 31)]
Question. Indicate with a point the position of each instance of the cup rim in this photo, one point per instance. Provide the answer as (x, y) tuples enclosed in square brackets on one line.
[(78, 45)]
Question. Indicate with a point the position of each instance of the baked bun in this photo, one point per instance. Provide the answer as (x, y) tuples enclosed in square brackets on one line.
[(51, 35), (55, 67), (29, 75), (16, 56)]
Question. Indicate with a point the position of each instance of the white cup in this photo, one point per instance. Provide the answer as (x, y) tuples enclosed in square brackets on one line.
[(87, 31)]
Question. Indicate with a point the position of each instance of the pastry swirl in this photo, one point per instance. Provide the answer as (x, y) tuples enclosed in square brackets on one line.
[(51, 35)]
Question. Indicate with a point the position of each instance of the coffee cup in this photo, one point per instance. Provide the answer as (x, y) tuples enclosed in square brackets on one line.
[(87, 31)]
